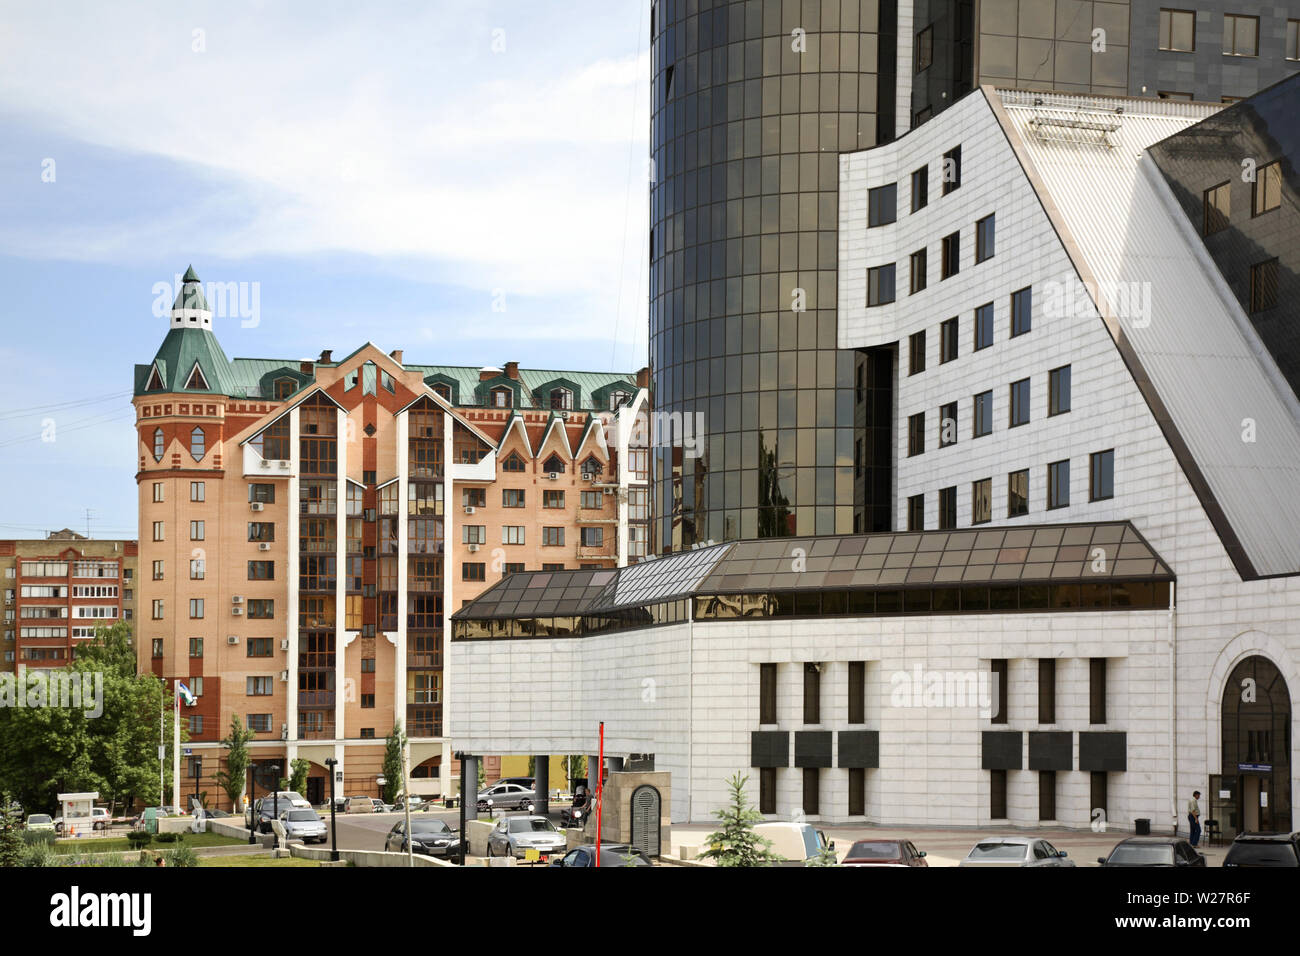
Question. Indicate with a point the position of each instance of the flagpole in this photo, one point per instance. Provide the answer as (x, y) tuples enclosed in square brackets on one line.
[(176, 750), (162, 744)]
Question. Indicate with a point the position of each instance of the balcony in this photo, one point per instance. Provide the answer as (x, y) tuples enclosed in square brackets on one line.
[(422, 660), (316, 726), (423, 720), (308, 699)]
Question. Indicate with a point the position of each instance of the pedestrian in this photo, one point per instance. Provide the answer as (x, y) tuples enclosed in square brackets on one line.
[(1194, 817)]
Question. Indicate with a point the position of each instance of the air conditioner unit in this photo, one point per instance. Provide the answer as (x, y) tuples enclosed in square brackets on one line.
[(264, 546), (237, 611), (591, 477), (553, 475), (469, 509), (265, 463), (609, 491), (236, 599), (473, 549), (284, 731), (284, 677), (256, 506), (284, 644), (232, 639), (285, 465)]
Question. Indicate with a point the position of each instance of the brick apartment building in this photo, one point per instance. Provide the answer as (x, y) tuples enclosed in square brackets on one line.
[(305, 526)]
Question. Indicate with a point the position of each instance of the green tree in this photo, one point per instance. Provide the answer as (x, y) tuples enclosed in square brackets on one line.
[(232, 779), (299, 768), (394, 746), (736, 843), (575, 767), (12, 847)]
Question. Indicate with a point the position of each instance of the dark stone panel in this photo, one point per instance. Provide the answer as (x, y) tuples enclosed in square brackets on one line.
[(860, 749), (812, 748), (1051, 750), (1103, 750), (1002, 750), (769, 748)]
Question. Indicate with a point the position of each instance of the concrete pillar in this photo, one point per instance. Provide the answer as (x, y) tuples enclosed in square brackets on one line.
[(542, 784)]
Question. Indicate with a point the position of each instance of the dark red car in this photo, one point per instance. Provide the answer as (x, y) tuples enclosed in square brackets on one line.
[(884, 853)]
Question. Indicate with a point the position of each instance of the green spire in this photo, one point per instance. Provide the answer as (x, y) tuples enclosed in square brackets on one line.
[(191, 293), (191, 275)]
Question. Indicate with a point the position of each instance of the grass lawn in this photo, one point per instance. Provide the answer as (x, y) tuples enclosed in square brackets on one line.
[(119, 844), (255, 859)]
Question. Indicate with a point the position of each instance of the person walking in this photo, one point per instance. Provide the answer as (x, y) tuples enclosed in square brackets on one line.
[(1194, 818)]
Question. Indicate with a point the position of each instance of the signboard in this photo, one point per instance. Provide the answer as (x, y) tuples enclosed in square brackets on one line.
[(1255, 767), (532, 854)]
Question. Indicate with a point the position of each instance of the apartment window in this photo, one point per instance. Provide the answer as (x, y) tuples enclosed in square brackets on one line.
[(767, 693), (473, 571), (951, 169), (502, 398), (857, 692), (262, 492), (196, 647), (983, 417), (157, 444), (947, 508), (158, 531), (512, 567), (916, 353), (924, 49), (157, 609), (196, 725), (157, 491), (512, 497), (916, 513), (367, 665), (591, 500), (984, 326), (196, 685), (591, 537), (947, 424), (812, 693), (1058, 484), (552, 499), (1178, 30), (473, 534), (198, 491), (157, 647), (1058, 390), (1263, 285), (947, 340), (259, 647), (880, 285), (1018, 493), (917, 272), (552, 567), (767, 790), (197, 569), (1047, 690), (951, 263), (882, 205), (553, 537), (261, 531), (512, 462), (1101, 475), (258, 686), (1021, 311), (262, 609), (261, 570), (512, 534), (998, 794), (1019, 402), (1097, 690), (196, 530), (157, 570), (984, 238), (916, 434), (1293, 40), (196, 608), (1266, 191), (1240, 35), (367, 701), (197, 444), (920, 188), (259, 723), (469, 498), (981, 507), (1047, 795), (1218, 208)]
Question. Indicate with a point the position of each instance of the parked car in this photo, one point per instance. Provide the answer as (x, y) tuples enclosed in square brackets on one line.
[(429, 836), (289, 799), (794, 843), (528, 783), (507, 796), (611, 854), (359, 805), (1153, 851), (379, 806), (1015, 851), (1264, 849), (884, 853), (515, 836), (305, 825), (40, 821), (417, 803)]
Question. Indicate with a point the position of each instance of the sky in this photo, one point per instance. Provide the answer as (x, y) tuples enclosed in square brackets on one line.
[(466, 181)]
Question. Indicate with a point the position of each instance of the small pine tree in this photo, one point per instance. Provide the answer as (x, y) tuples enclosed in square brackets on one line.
[(825, 857), (393, 749), (12, 847), (736, 843), (232, 778)]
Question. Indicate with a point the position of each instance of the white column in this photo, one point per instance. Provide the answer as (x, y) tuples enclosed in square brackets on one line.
[(403, 543), (290, 610), (448, 545), (340, 576)]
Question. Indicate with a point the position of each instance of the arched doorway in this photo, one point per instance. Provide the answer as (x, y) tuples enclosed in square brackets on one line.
[(1254, 790)]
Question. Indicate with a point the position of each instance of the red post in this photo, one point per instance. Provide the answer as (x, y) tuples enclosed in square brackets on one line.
[(600, 788)]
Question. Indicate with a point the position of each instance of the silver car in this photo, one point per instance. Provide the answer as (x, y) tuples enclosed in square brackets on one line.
[(304, 825), (507, 796), (515, 836), (1015, 851)]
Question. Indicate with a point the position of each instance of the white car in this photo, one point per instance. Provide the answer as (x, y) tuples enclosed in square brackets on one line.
[(305, 825), (1015, 851), (515, 836), (794, 843)]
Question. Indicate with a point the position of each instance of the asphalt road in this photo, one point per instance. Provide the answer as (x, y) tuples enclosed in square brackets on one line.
[(366, 831)]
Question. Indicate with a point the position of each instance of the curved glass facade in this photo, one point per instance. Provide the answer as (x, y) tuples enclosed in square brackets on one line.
[(752, 102)]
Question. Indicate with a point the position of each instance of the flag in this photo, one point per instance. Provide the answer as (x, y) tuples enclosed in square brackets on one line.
[(186, 695)]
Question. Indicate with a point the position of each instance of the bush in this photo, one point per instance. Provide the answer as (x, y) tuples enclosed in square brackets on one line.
[(170, 838), (33, 837), (38, 854), (182, 856), (138, 839)]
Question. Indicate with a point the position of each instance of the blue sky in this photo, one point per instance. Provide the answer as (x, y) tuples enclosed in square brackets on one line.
[(383, 172)]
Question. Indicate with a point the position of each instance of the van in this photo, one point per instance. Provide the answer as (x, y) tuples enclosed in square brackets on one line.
[(794, 843)]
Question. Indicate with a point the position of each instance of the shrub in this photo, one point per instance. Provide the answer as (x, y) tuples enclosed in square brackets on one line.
[(170, 838), (138, 839), (182, 856), (38, 854), (32, 837)]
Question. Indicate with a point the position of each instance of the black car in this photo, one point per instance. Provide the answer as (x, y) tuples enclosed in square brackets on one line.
[(611, 854), (1153, 851), (429, 836), (1264, 849)]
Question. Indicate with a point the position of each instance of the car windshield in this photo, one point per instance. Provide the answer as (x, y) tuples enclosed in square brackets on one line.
[(429, 826), (879, 850), (997, 851), (301, 815), (39, 818), (531, 825), (1262, 854), (1138, 854)]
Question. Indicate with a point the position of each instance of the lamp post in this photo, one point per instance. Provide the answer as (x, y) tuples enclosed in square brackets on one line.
[(252, 803), (330, 764), (275, 803)]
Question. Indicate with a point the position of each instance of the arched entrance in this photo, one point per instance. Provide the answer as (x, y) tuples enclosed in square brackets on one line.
[(1254, 790)]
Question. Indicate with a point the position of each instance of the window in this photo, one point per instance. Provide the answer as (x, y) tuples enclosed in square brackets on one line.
[(196, 647), (767, 790), (158, 531), (263, 492), (196, 608), (999, 669), (512, 534), (947, 340), (470, 497), (1218, 209), (473, 571), (157, 609), (916, 353), (916, 513), (1266, 191), (767, 693), (512, 497), (284, 387), (1101, 475), (552, 499), (257, 686), (1021, 311), (473, 534), (261, 570), (502, 397), (1058, 484), (947, 424), (880, 285), (951, 263), (591, 500), (1263, 285), (512, 567), (951, 169), (1097, 690), (259, 723), (512, 462), (196, 531), (196, 685), (157, 647), (981, 501), (259, 647), (882, 205), (261, 609), (261, 531), (998, 794), (367, 701), (1046, 800), (561, 398), (157, 491), (592, 537), (196, 725), (1177, 30), (811, 791), (1047, 690), (553, 537), (920, 188), (1018, 493), (553, 465), (984, 326), (157, 570), (983, 416), (916, 272), (197, 444), (197, 569), (947, 508), (812, 693), (984, 238), (916, 434), (1058, 391), (1019, 402), (367, 733), (1240, 35), (157, 444), (552, 567), (1293, 40)]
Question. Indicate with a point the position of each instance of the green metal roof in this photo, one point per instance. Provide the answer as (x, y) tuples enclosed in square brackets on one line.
[(191, 294), (176, 358)]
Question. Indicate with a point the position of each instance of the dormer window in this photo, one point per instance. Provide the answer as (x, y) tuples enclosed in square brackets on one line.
[(617, 399), (157, 444), (512, 462), (562, 399), (155, 381), (197, 444), (351, 379), (386, 380), (284, 387), (442, 389), (502, 397), (553, 464), (592, 466)]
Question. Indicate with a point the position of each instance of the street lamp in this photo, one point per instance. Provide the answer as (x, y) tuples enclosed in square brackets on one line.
[(330, 764), (379, 784), (275, 802), (252, 803)]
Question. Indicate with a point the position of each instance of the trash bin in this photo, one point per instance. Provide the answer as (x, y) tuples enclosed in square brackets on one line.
[(1142, 826)]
